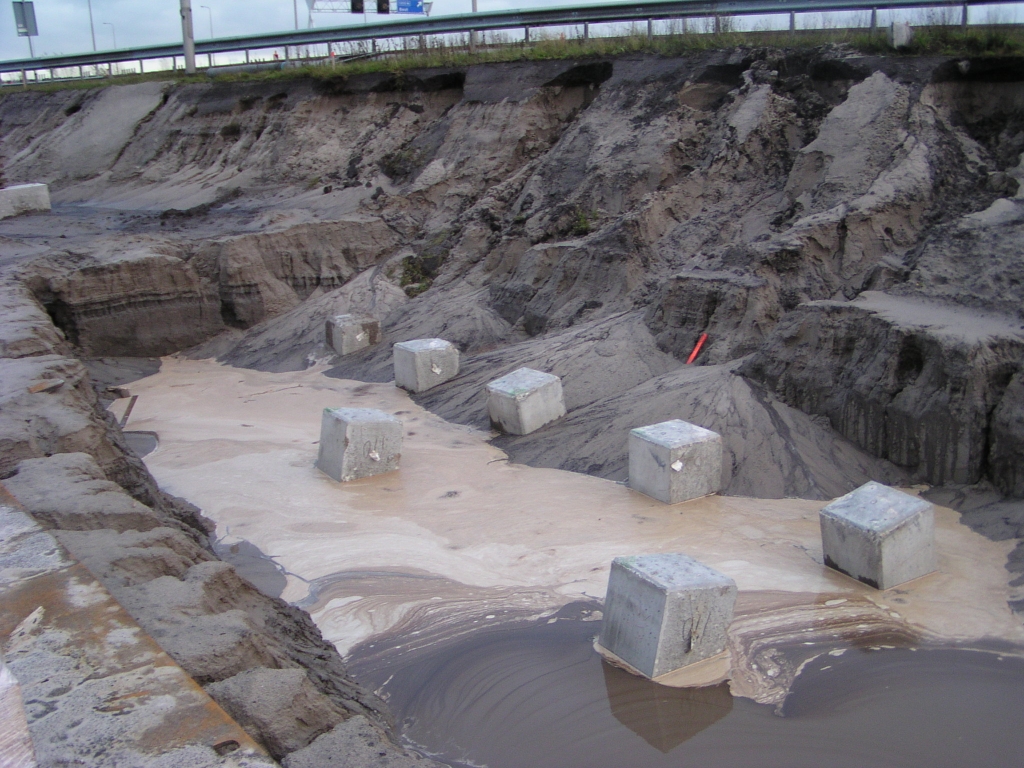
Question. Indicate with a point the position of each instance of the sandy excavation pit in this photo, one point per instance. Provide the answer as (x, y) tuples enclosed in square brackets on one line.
[(488, 540), (842, 230)]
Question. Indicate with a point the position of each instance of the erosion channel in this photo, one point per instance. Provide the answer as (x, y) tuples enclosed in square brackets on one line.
[(845, 230)]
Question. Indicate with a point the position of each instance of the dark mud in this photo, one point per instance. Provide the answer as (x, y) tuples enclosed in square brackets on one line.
[(541, 698)]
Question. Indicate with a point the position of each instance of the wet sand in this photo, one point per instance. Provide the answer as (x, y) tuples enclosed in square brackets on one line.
[(459, 539)]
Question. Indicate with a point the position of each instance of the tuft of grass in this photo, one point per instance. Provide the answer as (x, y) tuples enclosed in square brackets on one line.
[(582, 222), (938, 38)]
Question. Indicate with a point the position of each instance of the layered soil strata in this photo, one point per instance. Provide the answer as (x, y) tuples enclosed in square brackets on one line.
[(844, 228)]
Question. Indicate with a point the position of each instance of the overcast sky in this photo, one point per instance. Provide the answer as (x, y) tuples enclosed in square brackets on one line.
[(64, 24)]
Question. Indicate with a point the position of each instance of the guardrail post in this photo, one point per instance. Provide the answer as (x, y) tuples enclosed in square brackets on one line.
[(963, 18)]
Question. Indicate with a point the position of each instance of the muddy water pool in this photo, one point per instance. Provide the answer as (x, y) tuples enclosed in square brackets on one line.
[(540, 697), (440, 580)]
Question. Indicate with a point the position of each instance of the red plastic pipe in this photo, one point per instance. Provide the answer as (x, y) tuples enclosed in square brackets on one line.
[(696, 349)]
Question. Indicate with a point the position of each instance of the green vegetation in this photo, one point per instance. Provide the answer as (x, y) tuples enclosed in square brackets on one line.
[(582, 222), (939, 38)]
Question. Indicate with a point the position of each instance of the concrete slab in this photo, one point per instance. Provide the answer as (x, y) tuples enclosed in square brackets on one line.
[(346, 334), (666, 611), (424, 363), (358, 442), (878, 535), (24, 198), (675, 461), (524, 401), (97, 689)]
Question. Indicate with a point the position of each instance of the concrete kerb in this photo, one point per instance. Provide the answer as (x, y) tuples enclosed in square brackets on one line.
[(358, 442), (675, 461), (346, 334), (24, 198), (524, 401), (664, 612), (424, 363), (879, 536)]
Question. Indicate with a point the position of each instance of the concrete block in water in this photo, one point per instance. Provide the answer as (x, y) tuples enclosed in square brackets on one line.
[(358, 442), (24, 198), (347, 333), (675, 461), (524, 401), (879, 535), (424, 363), (663, 612)]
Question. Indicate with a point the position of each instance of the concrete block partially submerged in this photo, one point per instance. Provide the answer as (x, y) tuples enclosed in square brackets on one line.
[(524, 401), (24, 198), (675, 461), (424, 363), (358, 442), (664, 612), (347, 333), (878, 535)]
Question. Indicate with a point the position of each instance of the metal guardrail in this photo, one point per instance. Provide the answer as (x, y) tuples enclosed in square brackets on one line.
[(481, 22)]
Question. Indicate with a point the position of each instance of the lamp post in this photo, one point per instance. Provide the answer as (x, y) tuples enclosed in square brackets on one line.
[(113, 33), (187, 37), (92, 27), (210, 13)]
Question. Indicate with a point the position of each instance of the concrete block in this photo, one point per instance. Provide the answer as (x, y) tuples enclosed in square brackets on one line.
[(358, 442), (347, 333), (663, 612), (424, 363), (900, 34), (24, 198), (675, 461), (524, 401), (878, 535)]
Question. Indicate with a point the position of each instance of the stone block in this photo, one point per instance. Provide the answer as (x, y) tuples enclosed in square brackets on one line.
[(664, 612), (878, 535), (347, 333), (24, 198), (424, 363), (524, 401), (675, 461), (358, 442), (901, 34)]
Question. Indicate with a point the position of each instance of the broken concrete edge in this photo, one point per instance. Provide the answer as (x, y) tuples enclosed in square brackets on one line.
[(16, 748), (123, 691)]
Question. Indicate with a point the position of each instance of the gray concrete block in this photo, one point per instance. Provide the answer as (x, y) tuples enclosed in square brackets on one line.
[(358, 442), (24, 198), (424, 363), (675, 461), (878, 535), (524, 401), (346, 334), (667, 611)]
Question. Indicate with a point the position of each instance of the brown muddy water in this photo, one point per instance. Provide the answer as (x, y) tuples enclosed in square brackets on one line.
[(540, 697)]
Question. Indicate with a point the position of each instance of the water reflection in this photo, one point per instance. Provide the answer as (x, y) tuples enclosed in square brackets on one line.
[(663, 717)]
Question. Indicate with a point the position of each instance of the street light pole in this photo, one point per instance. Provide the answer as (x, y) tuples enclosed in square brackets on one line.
[(92, 27), (210, 13), (187, 37), (113, 33)]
